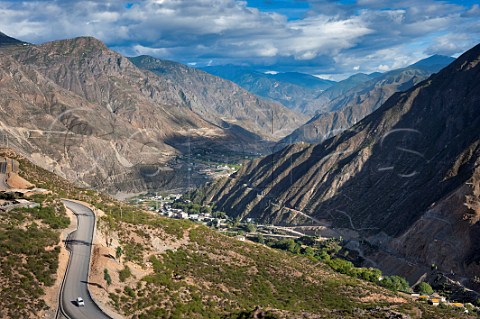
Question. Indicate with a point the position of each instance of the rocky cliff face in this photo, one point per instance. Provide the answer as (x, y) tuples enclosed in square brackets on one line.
[(91, 115), (345, 108), (405, 178)]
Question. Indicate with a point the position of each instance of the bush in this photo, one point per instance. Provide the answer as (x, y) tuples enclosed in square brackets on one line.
[(124, 274), (107, 277), (395, 283), (424, 288)]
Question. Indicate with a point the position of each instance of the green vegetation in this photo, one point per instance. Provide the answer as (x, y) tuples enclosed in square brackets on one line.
[(192, 208), (116, 215), (246, 279), (396, 283), (106, 277), (326, 252), (134, 252), (124, 274), (251, 228), (219, 277), (53, 215), (118, 252), (28, 256), (424, 288)]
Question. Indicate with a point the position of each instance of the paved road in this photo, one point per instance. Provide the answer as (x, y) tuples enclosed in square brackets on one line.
[(79, 243)]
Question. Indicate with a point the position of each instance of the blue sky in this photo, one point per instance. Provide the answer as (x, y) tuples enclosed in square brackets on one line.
[(322, 37)]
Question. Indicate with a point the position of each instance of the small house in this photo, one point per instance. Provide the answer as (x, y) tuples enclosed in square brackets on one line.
[(434, 301), (240, 237), (194, 217)]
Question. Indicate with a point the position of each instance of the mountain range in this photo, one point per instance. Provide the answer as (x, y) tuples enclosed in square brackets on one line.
[(91, 115), (402, 186), (360, 95), (314, 96), (297, 91)]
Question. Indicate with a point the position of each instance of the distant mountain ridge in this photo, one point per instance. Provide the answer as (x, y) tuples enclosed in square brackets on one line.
[(359, 94), (355, 100), (298, 91)]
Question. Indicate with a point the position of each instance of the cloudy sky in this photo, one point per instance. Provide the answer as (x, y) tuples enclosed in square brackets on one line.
[(322, 37)]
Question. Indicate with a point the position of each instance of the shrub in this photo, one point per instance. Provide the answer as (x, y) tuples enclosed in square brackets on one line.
[(395, 283), (107, 277), (124, 274), (424, 288)]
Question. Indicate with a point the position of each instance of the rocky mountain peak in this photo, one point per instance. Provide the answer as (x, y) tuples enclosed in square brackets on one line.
[(76, 46)]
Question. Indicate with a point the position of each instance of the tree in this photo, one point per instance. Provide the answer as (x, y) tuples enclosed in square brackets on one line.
[(118, 252), (395, 283), (107, 277), (424, 288), (206, 210), (251, 228), (236, 222), (308, 251), (261, 239)]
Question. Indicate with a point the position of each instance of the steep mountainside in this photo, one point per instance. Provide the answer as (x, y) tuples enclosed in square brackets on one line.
[(406, 178), (172, 268), (90, 115), (349, 107), (297, 91), (219, 100)]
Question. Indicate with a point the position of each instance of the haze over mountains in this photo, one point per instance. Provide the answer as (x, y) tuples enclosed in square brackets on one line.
[(402, 185), (89, 114), (298, 91), (312, 95), (360, 95)]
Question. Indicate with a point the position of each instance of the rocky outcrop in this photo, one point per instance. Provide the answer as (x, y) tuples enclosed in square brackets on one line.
[(405, 178)]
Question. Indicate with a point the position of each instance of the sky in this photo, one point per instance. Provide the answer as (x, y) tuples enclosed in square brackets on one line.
[(332, 39)]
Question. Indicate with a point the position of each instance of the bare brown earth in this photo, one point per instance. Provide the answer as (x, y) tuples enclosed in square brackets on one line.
[(352, 106), (16, 181), (88, 114)]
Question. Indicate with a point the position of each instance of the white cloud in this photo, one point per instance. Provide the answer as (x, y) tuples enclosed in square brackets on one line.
[(359, 36)]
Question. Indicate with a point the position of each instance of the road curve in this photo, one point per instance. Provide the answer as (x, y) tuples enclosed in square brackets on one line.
[(75, 283)]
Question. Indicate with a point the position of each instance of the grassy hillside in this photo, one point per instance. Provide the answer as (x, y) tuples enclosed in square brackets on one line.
[(177, 269)]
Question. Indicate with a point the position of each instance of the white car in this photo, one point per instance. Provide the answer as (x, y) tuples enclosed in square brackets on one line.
[(80, 302)]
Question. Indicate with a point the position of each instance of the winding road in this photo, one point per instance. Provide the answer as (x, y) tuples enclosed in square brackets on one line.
[(75, 282)]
